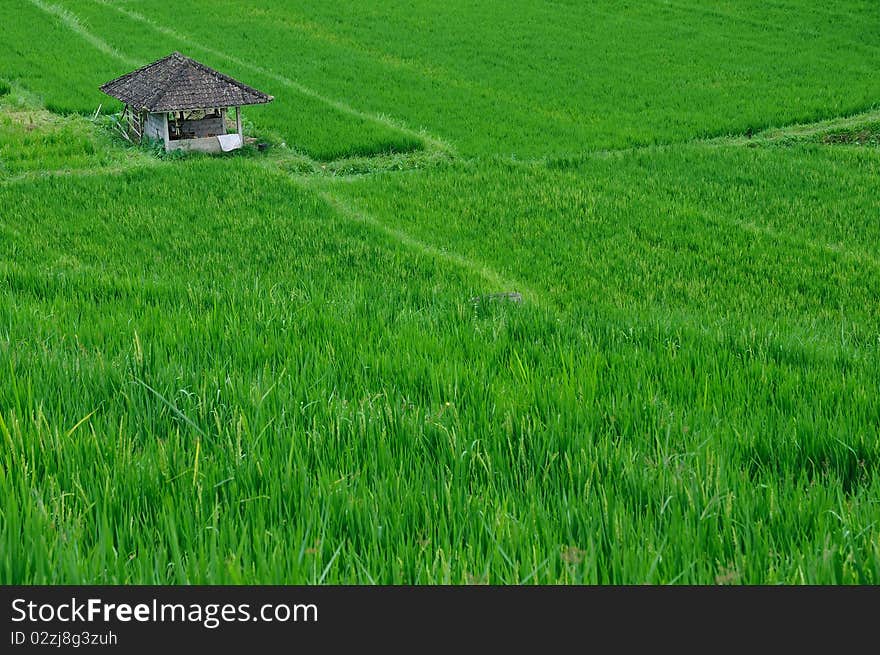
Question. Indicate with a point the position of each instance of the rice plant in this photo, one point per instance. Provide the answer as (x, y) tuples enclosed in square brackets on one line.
[(491, 309)]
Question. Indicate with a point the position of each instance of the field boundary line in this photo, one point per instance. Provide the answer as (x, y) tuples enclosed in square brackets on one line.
[(764, 137), (29, 176), (72, 22), (339, 105), (807, 243), (794, 130), (320, 32), (479, 268)]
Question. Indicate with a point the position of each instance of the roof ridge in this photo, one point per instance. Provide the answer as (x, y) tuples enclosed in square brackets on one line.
[(226, 78), (162, 91), (137, 70), (177, 82)]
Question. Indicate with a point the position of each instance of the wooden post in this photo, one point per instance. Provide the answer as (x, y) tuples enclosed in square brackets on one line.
[(238, 125), (165, 131)]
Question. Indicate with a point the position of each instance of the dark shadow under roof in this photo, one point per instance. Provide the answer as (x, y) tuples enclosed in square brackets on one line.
[(177, 82)]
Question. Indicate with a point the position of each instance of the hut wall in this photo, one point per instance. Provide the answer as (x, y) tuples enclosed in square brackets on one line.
[(154, 127)]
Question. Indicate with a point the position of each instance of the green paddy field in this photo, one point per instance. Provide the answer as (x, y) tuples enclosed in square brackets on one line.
[(288, 366)]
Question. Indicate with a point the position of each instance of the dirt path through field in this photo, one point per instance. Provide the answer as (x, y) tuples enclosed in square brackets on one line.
[(71, 22), (493, 277)]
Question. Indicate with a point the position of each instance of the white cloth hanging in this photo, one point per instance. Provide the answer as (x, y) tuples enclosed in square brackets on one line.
[(229, 141)]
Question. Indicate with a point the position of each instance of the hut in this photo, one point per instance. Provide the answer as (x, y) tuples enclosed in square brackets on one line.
[(184, 103)]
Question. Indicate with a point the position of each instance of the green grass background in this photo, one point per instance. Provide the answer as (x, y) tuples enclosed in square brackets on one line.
[(267, 368)]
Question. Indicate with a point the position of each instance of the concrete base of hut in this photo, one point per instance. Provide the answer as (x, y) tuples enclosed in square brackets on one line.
[(208, 144)]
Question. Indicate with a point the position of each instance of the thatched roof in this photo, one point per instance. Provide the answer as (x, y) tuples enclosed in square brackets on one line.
[(176, 82)]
